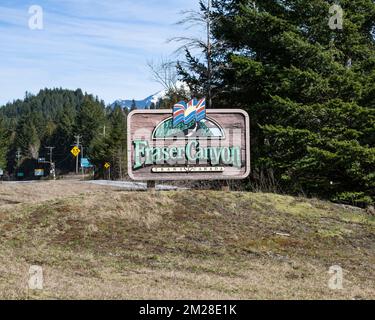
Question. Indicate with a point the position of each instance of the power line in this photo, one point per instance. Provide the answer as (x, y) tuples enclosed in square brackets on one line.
[(61, 161)]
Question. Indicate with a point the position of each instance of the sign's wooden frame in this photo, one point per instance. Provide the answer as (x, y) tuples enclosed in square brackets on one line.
[(195, 176)]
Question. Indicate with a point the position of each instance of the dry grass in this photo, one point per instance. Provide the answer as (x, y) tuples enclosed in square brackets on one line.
[(16, 193), (96, 242)]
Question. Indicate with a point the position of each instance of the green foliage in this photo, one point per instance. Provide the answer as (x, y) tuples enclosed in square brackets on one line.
[(54, 118), (90, 120), (51, 118), (309, 90), (354, 198), (173, 95), (3, 144), (133, 105), (27, 137), (112, 146)]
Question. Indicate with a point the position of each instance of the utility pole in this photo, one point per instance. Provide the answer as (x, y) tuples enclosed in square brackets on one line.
[(78, 139), (82, 169), (209, 53), (18, 157), (50, 153), (51, 161), (120, 162)]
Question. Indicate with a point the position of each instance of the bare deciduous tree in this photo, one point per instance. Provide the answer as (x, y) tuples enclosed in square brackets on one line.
[(192, 18), (164, 72)]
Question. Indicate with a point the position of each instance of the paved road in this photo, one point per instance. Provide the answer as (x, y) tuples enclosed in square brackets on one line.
[(18, 182), (129, 185)]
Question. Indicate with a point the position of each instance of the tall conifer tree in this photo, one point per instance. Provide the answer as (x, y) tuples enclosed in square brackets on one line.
[(3, 144), (309, 90)]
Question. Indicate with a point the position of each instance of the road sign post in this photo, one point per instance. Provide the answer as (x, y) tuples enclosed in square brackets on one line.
[(151, 186), (107, 166)]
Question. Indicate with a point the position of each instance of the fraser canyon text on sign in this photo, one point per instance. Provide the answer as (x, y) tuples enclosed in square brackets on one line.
[(188, 143)]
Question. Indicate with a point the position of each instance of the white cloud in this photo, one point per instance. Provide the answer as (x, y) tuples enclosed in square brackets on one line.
[(100, 46)]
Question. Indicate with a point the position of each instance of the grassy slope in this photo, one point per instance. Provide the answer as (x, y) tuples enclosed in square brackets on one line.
[(107, 243)]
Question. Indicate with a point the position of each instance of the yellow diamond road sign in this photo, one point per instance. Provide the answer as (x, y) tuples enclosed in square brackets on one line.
[(107, 166), (75, 151)]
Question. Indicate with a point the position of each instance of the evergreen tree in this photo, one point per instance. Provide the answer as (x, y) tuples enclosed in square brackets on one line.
[(202, 75), (309, 91), (3, 144), (173, 96), (63, 138), (50, 118), (112, 147), (118, 142), (27, 139), (133, 105), (90, 121)]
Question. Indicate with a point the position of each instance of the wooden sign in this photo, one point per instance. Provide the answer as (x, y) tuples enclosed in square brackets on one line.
[(212, 144)]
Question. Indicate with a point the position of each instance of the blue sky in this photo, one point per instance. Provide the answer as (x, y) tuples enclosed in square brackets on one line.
[(101, 46)]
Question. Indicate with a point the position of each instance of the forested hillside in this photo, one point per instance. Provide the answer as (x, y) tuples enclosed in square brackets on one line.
[(53, 118)]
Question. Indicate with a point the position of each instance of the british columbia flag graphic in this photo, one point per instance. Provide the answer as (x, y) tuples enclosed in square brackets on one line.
[(185, 113)]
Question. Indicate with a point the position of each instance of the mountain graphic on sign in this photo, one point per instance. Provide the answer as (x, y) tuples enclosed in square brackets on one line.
[(204, 128)]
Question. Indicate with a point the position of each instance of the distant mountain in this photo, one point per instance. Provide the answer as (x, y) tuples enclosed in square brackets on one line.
[(146, 103), (141, 104)]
